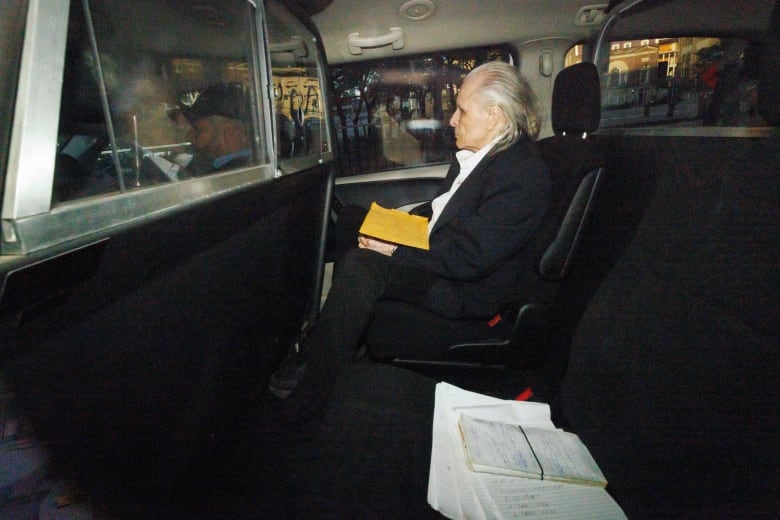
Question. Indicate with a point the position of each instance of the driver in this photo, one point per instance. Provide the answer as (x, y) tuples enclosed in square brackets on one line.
[(218, 128)]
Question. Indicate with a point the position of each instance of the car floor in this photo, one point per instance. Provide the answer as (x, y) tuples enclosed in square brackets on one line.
[(270, 466)]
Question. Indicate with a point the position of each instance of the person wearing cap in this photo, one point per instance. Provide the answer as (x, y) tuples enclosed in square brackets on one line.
[(218, 129)]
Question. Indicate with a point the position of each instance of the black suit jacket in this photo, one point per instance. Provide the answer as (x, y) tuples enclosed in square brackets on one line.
[(476, 244)]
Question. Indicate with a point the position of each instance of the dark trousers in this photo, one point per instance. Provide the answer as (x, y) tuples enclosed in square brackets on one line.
[(345, 235), (362, 279)]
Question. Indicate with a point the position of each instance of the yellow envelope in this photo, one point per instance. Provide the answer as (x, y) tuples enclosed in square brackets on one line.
[(396, 226)]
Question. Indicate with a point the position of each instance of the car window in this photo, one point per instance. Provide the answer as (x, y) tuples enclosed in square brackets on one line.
[(679, 82), (395, 113), (301, 135), (154, 93)]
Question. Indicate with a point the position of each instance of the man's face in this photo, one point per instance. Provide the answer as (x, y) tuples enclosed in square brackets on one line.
[(206, 138), (474, 125)]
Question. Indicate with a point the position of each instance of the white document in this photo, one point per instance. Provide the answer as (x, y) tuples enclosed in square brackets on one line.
[(459, 493), (494, 446), (516, 497)]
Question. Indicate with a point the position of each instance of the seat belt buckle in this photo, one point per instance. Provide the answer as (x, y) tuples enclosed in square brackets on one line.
[(525, 395)]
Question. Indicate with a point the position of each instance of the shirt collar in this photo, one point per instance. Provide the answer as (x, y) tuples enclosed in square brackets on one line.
[(468, 159)]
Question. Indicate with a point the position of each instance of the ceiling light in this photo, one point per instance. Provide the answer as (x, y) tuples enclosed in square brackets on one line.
[(417, 10)]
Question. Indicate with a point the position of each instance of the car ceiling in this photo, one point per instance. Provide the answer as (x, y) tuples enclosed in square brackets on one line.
[(440, 25)]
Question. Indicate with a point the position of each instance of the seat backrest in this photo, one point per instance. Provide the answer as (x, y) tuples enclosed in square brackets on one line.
[(575, 162), (673, 377)]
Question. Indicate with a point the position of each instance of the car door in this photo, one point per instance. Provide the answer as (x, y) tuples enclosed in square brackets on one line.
[(148, 288)]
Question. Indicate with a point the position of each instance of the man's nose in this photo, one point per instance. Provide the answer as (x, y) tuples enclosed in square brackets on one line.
[(454, 118)]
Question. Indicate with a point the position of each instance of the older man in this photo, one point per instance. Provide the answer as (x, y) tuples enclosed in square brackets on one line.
[(218, 128), (494, 196)]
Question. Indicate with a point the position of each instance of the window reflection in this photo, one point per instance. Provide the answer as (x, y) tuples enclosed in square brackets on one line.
[(174, 77)]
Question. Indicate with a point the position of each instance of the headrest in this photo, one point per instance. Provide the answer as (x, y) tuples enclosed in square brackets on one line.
[(769, 80), (576, 100)]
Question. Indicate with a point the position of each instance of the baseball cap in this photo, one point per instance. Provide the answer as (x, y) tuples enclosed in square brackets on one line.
[(221, 99)]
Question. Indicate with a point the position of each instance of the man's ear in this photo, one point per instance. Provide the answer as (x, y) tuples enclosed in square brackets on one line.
[(495, 116)]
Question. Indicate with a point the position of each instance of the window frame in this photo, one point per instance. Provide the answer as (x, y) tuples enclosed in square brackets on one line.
[(291, 165), (29, 221)]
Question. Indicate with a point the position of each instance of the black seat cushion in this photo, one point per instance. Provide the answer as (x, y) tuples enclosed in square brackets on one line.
[(673, 376), (402, 329)]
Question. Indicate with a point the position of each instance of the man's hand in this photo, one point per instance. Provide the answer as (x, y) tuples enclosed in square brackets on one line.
[(380, 246)]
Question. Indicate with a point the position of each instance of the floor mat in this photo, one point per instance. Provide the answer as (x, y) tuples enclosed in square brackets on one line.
[(27, 490)]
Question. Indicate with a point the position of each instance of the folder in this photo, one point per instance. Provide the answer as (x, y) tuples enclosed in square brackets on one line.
[(397, 227)]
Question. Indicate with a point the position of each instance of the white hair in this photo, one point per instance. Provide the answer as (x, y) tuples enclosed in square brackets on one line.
[(502, 85)]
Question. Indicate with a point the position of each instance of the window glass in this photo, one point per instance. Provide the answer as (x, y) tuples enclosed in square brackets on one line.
[(395, 113), (175, 80), (301, 135), (679, 82), (12, 20)]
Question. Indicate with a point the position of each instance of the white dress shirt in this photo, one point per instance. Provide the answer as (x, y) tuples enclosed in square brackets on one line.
[(467, 160)]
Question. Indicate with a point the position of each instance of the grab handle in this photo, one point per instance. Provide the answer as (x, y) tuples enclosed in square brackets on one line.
[(356, 44)]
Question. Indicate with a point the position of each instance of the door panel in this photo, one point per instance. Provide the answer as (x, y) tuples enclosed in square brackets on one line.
[(393, 189), (140, 313), (396, 193), (158, 355)]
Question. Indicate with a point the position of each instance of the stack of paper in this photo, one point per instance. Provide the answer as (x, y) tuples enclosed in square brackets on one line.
[(458, 491)]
